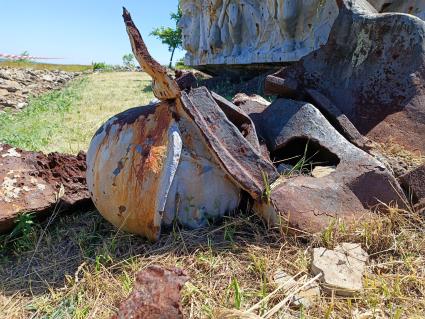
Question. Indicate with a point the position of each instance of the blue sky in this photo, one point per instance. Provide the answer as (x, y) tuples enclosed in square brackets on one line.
[(81, 31)]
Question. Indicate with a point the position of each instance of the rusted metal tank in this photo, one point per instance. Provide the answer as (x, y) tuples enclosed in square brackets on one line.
[(186, 158), (142, 176)]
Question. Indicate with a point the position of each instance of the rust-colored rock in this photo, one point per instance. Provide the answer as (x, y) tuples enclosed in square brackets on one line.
[(35, 182), (156, 295), (414, 184), (185, 79), (372, 69), (354, 183)]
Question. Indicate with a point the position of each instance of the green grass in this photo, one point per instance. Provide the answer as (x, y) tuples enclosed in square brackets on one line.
[(34, 127), (45, 66), (66, 120)]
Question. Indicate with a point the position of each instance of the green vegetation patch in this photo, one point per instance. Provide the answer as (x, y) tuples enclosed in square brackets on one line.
[(34, 127)]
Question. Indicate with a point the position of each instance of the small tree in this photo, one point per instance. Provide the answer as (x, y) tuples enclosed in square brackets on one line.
[(128, 61), (170, 36), (24, 54)]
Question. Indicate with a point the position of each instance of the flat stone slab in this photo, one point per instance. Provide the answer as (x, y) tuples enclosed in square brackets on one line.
[(32, 182), (306, 297), (342, 268)]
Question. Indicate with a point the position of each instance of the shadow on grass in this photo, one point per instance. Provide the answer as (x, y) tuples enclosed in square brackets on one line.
[(147, 88), (47, 258)]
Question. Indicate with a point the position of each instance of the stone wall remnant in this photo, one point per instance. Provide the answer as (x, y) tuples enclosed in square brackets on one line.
[(18, 85)]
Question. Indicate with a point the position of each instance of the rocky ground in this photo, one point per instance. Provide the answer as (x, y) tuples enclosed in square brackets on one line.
[(18, 85)]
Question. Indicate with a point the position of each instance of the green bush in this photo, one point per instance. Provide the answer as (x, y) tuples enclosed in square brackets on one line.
[(100, 66)]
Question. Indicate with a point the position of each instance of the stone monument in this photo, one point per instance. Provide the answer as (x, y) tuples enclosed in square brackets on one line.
[(239, 32)]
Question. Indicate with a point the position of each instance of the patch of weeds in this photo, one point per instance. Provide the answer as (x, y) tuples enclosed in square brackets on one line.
[(267, 188), (236, 291), (229, 232), (33, 127), (23, 235)]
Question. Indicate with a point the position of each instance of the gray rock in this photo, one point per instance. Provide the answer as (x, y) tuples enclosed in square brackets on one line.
[(342, 268), (19, 84), (306, 297)]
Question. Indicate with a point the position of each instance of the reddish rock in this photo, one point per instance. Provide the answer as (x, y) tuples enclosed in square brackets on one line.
[(156, 295), (372, 69), (39, 183), (355, 182), (185, 79), (254, 105), (414, 184)]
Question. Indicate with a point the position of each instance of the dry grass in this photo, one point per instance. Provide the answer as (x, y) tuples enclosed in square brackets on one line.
[(79, 266), (45, 66), (65, 121), (104, 95)]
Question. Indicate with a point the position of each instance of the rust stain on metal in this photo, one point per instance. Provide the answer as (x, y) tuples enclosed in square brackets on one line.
[(156, 295), (123, 181), (164, 87), (234, 153)]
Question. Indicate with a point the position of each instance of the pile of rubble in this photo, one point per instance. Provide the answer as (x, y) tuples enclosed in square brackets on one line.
[(17, 85)]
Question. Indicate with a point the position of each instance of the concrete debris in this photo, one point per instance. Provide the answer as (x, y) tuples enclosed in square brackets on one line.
[(305, 298), (156, 295), (32, 182), (342, 268), (17, 85)]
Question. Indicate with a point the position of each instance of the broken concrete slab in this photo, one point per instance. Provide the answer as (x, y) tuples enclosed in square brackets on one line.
[(377, 77), (32, 182), (156, 295), (342, 268), (298, 132)]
